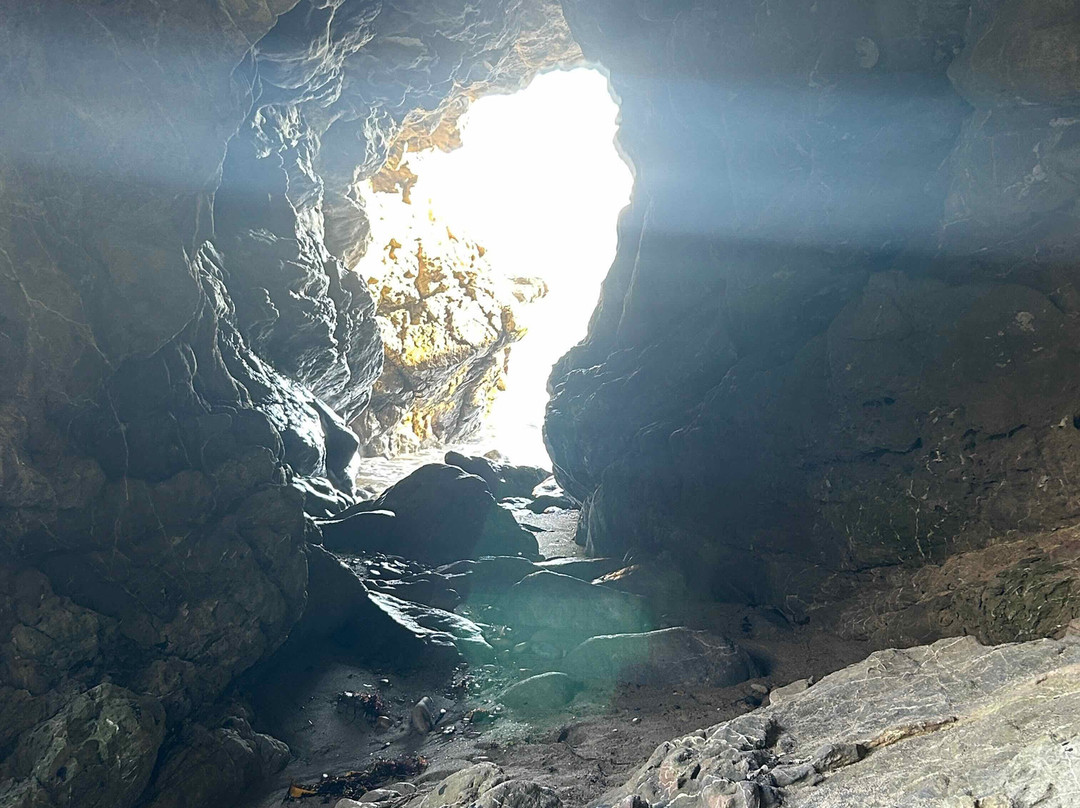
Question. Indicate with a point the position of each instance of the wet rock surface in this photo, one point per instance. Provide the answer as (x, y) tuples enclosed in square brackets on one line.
[(576, 608)]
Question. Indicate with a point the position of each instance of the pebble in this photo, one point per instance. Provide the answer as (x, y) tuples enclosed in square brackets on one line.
[(423, 716)]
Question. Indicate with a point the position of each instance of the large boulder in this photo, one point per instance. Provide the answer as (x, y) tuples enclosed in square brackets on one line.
[(98, 751), (572, 607), (215, 766), (519, 794), (464, 787), (375, 626), (503, 479), (543, 694), (441, 515), (489, 574), (676, 656)]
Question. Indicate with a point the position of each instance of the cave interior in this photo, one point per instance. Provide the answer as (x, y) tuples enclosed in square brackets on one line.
[(801, 532)]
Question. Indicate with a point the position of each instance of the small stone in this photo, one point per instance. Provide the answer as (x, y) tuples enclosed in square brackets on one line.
[(383, 722), (782, 694), (423, 716), (758, 688), (786, 775), (836, 755)]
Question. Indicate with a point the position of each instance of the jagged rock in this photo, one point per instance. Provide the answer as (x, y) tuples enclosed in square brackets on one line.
[(215, 766), (572, 607), (442, 515), (519, 794), (676, 656), (504, 480), (543, 694), (464, 787), (447, 319), (72, 758), (954, 723)]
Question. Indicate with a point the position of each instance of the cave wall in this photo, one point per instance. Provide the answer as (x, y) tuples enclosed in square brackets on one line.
[(180, 348), (840, 331)]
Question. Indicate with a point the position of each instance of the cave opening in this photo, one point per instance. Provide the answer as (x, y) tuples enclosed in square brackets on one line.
[(488, 249)]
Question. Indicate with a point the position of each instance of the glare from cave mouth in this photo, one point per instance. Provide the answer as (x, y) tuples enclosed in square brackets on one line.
[(538, 181)]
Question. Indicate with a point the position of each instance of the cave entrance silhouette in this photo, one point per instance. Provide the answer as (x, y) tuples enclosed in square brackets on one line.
[(539, 182)]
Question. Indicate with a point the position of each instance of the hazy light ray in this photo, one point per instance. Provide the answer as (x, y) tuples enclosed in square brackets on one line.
[(539, 183)]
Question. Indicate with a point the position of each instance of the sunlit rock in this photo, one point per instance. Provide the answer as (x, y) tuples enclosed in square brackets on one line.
[(447, 319)]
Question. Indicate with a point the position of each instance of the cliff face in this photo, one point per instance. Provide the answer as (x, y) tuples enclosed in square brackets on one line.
[(840, 331), (448, 319), (181, 348)]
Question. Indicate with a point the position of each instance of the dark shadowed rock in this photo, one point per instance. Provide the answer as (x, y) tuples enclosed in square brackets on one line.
[(442, 514), (361, 532), (668, 656), (490, 574), (375, 626), (216, 766), (503, 480), (545, 501), (71, 759), (573, 607)]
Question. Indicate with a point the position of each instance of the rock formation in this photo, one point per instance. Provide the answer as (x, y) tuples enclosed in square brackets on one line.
[(182, 347), (447, 319), (952, 724), (840, 330)]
